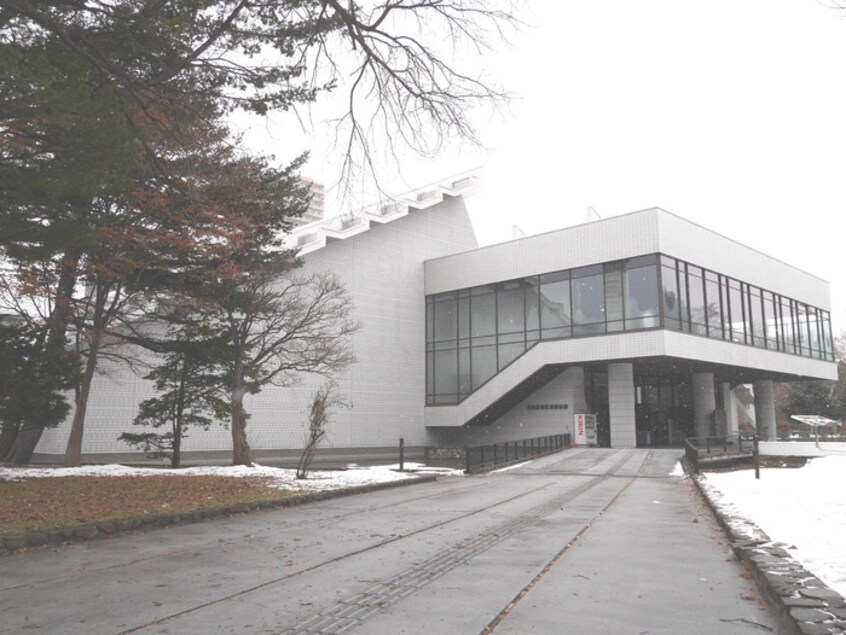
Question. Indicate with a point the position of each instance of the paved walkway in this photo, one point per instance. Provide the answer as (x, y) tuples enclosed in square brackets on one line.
[(588, 541)]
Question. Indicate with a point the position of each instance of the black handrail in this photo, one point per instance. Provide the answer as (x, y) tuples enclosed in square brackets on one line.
[(481, 458), (695, 447)]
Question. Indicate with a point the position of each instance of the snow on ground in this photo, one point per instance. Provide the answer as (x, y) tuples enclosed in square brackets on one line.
[(277, 477), (801, 448), (805, 508), (510, 467)]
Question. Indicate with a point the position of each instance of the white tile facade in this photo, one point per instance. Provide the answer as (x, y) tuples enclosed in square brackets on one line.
[(621, 405), (635, 234), (389, 268), (382, 269), (548, 411)]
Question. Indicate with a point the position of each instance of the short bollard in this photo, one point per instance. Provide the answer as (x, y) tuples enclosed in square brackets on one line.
[(402, 454)]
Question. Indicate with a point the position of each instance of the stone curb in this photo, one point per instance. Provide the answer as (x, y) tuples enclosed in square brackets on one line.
[(106, 529), (806, 605)]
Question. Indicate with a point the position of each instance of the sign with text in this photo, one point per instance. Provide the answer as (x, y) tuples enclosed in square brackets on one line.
[(585, 428)]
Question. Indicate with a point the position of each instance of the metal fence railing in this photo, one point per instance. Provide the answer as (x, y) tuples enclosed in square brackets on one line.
[(481, 458), (712, 449)]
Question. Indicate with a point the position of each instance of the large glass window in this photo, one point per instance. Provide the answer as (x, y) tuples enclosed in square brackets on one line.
[(698, 309), (484, 364), (472, 334), (758, 319), (446, 317), (465, 379), (641, 293), (684, 301), (555, 305), (509, 348), (613, 296), (827, 343), (814, 332), (464, 317), (787, 326), (588, 300), (482, 312), (510, 311), (532, 309), (670, 294), (446, 376), (802, 328), (713, 305), (769, 320), (736, 312)]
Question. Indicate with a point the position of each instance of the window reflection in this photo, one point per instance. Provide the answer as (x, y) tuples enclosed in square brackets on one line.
[(472, 334)]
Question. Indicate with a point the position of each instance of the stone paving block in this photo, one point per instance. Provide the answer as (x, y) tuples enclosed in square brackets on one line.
[(54, 536), (833, 598), (810, 628), (38, 538), (17, 542), (801, 602), (801, 614), (86, 531)]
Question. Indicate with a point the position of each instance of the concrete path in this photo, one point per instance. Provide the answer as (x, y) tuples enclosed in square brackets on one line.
[(588, 541)]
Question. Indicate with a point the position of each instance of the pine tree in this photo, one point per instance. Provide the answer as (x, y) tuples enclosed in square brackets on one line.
[(192, 394)]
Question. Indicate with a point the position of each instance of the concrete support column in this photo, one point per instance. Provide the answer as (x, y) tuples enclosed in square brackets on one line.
[(731, 410), (704, 403), (765, 415), (574, 377), (621, 405)]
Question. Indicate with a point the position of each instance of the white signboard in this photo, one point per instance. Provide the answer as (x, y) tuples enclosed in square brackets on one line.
[(585, 427)]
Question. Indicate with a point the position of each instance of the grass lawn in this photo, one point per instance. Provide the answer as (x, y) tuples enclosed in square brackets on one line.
[(52, 503)]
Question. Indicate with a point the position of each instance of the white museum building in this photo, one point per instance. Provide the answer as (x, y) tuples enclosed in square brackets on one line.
[(646, 320)]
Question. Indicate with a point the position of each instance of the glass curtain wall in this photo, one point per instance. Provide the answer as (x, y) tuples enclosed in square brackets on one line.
[(472, 334), (706, 303)]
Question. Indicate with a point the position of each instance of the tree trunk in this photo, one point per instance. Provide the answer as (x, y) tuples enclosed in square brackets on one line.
[(178, 428), (175, 456), (240, 447), (58, 322), (30, 432), (73, 453), (8, 435), (28, 437)]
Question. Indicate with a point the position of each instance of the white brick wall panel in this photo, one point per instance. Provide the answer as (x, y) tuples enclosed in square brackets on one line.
[(383, 270), (638, 233)]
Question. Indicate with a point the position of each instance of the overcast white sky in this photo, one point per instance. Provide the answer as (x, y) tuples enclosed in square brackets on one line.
[(730, 114)]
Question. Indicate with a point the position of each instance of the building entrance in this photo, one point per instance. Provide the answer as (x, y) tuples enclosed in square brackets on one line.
[(596, 396), (663, 410)]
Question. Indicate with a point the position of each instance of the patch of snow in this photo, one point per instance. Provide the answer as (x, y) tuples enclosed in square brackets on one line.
[(276, 477), (678, 470), (422, 467), (510, 467), (801, 448), (19, 473), (804, 508)]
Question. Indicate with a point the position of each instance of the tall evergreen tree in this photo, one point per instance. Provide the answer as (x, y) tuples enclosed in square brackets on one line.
[(88, 89)]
